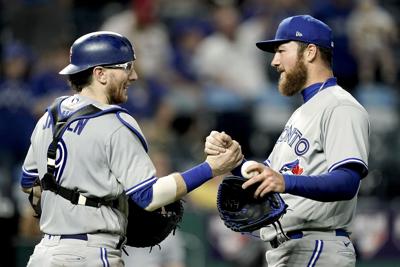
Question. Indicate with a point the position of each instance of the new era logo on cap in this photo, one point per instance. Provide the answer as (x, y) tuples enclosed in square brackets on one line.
[(303, 28)]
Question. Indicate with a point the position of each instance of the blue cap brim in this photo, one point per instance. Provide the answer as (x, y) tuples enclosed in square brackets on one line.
[(270, 45)]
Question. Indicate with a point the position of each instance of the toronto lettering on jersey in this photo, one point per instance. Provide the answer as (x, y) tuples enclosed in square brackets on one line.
[(293, 137)]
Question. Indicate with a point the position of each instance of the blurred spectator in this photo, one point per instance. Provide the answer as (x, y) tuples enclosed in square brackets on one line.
[(172, 11), (168, 37), (47, 84), (186, 35), (179, 135), (16, 124), (87, 16), (224, 62), (231, 76), (139, 22), (373, 34), (144, 98), (15, 101), (38, 22), (141, 25), (336, 13)]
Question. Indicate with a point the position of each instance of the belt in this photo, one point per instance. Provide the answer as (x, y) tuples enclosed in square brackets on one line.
[(297, 234), (77, 236), (85, 238)]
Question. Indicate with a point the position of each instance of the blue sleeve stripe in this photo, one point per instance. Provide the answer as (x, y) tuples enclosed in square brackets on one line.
[(28, 177), (238, 170), (267, 163), (32, 173), (345, 161), (27, 183), (139, 186)]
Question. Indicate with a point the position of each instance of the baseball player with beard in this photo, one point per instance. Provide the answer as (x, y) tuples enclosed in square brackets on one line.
[(91, 158), (320, 157)]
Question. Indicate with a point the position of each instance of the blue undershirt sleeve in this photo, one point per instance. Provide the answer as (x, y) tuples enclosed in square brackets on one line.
[(237, 170), (339, 184)]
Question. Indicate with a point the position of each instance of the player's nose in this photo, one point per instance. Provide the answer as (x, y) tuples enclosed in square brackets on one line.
[(275, 60), (133, 76)]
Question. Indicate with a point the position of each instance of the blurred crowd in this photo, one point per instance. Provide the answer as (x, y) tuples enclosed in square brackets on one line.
[(198, 70)]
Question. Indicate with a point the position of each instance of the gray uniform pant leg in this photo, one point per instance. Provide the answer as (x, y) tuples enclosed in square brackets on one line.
[(58, 252), (325, 252)]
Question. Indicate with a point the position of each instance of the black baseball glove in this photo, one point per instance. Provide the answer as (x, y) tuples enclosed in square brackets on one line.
[(149, 228), (35, 196), (241, 212)]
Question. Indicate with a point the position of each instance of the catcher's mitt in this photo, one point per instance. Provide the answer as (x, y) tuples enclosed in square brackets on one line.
[(35, 196), (241, 212), (148, 229)]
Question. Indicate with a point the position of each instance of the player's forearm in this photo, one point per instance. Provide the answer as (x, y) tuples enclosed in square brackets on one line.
[(340, 184), (169, 188)]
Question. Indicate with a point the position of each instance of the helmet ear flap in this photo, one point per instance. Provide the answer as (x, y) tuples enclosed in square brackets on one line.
[(96, 49)]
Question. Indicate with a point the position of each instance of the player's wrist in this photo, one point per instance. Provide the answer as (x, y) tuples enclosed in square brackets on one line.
[(289, 182), (197, 175), (237, 171)]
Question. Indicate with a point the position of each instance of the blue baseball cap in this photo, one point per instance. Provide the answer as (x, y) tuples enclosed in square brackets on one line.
[(303, 28)]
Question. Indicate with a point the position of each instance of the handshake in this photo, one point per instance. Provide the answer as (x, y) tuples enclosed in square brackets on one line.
[(225, 154)]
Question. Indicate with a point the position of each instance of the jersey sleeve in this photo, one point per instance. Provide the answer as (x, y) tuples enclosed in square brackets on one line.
[(128, 159), (29, 170), (346, 135)]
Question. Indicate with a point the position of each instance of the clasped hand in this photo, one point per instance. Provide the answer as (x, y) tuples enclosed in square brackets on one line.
[(218, 143), (228, 157)]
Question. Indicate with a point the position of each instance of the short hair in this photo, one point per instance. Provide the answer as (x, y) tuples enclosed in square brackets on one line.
[(81, 79), (326, 53)]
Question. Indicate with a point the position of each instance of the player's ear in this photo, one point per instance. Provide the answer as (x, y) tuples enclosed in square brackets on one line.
[(310, 53), (100, 75)]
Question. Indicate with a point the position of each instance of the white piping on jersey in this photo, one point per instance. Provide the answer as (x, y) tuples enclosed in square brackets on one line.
[(138, 186), (29, 173), (355, 160), (322, 86), (60, 165), (267, 162), (135, 131)]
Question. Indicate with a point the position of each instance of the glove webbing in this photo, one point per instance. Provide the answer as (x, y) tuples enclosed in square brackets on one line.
[(48, 182)]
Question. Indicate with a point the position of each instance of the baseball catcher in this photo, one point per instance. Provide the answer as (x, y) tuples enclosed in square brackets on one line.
[(92, 159)]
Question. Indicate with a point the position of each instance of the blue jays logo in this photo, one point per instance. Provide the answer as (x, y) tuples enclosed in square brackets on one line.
[(292, 168)]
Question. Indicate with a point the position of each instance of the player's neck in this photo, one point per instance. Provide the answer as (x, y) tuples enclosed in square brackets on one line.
[(94, 94), (319, 75)]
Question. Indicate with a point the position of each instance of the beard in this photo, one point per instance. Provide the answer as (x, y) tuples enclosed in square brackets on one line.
[(116, 93), (294, 81)]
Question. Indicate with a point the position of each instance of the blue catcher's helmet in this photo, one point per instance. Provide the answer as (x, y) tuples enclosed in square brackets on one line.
[(96, 49)]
